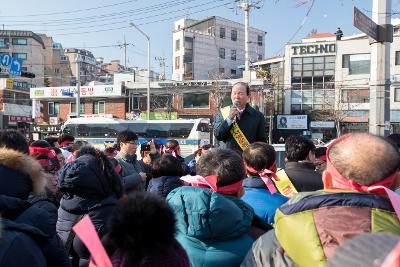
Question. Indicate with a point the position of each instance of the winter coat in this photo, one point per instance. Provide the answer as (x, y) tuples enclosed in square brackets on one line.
[(251, 123), (260, 199), (28, 236), (311, 225), (130, 172), (215, 230), (47, 202), (164, 184), (85, 190), (303, 176), (174, 255)]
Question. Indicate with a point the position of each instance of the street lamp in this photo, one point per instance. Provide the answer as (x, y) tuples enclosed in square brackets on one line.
[(148, 67)]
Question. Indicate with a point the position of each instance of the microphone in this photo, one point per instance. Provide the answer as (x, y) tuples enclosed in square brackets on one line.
[(237, 117)]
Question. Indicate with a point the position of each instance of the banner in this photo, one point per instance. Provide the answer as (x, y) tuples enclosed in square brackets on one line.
[(291, 122)]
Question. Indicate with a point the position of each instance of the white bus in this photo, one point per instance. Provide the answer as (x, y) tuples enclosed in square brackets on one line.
[(101, 131)]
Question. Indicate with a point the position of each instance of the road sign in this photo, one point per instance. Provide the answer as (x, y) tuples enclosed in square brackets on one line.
[(365, 24), (5, 60), (16, 66)]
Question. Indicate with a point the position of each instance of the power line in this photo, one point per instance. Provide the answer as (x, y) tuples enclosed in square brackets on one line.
[(71, 11), (101, 17)]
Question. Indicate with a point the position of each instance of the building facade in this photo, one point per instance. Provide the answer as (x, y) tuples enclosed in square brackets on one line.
[(212, 48), (88, 66)]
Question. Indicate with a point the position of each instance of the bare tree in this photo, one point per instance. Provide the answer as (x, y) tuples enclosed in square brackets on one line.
[(218, 91)]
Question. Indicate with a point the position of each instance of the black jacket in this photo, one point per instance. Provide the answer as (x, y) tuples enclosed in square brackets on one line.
[(303, 176), (86, 190), (164, 184), (28, 238), (252, 124)]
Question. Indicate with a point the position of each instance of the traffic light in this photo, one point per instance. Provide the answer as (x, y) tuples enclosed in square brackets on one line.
[(28, 74)]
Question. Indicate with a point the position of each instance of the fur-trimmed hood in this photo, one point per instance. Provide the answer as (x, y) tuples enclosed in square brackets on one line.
[(20, 166)]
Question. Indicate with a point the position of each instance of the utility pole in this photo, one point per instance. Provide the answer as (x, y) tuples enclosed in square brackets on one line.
[(162, 65), (379, 121), (246, 6), (78, 86), (125, 45)]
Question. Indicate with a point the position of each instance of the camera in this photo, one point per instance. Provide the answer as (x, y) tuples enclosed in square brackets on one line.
[(145, 147)]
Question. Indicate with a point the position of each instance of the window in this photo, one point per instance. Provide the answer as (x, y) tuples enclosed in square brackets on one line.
[(221, 70), (397, 94), (99, 107), (73, 107), (19, 41), (259, 57), (3, 42), (54, 108), (177, 44), (234, 35), (222, 53), (222, 33), (259, 40), (19, 55), (397, 57), (357, 64), (63, 58), (233, 54), (233, 72), (196, 100), (177, 61), (355, 95)]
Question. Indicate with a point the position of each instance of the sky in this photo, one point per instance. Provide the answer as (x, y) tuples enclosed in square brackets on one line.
[(101, 25)]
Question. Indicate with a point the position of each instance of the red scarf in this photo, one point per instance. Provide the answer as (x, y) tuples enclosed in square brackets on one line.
[(338, 181), (265, 175), (225, 190), (172, 151)]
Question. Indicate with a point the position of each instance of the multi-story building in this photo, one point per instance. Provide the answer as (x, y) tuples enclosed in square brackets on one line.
[(15, 109), (87, 64), (212, 48), (57, 68)]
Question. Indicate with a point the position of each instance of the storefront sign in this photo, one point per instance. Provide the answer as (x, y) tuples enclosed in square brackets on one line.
[(313, 49), (322, 124), (19, 119), (291, 122), (46, 128), (66, 92)]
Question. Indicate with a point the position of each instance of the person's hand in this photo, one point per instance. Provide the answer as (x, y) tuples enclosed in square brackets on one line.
[(233, 112), (143, 176), (153, 149)]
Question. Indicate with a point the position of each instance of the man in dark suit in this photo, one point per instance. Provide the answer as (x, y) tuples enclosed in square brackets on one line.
[(250, 121)]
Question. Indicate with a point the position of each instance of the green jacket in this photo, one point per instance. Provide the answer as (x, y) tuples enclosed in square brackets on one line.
[(310, 226), (215, 230)]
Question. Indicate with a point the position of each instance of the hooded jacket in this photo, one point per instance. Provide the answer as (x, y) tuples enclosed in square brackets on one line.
[(85, 190), (215, 230), (164, 184), (25, 226), (260, 199), (311, 225)]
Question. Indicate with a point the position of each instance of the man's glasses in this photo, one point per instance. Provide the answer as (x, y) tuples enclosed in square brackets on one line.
[(131, 142)]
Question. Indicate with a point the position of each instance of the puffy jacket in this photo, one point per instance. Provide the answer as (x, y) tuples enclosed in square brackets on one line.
[(260, 199), (85, 190), (310, 226), (28, 234), (164, 184), (215, 230), (130, 169)]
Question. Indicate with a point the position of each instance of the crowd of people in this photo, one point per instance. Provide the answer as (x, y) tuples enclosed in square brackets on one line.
[(236, 210), (233, 206)]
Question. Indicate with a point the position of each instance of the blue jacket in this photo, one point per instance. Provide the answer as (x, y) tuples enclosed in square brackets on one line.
[(215, 230), (260, 199), (164, 184)]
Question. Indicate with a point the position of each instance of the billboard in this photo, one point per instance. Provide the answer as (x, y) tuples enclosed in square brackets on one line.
[(70, 91), (291, 122)]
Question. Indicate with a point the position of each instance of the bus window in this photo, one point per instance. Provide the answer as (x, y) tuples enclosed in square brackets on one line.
[(180, 130), (160, 130), (70, 129), (138, 128), (203, 127)]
